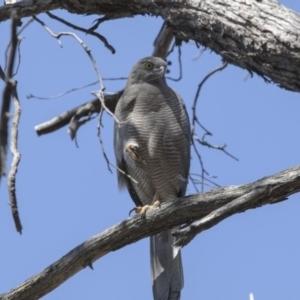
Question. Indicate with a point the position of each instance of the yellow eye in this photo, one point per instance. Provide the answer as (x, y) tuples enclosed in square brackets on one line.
[(148, 65)]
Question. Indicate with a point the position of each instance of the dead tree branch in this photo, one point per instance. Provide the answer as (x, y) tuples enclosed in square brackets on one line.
[(87, 31), (9, 92), (212, 207), (11, 180), (76, 113), (259, 36), (6, 98)]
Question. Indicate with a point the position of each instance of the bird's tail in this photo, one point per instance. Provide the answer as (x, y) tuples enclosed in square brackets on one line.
[(166, 267)]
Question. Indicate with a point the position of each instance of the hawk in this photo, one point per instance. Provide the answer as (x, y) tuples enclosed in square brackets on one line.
[(152, 144)]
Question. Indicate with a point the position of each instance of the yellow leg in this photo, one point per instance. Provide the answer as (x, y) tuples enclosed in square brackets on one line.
[(142, 209)]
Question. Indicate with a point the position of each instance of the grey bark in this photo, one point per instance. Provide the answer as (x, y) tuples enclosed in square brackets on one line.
[(260, 36), (267, 190)]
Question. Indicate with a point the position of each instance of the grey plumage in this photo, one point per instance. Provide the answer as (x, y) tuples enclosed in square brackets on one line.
[(152, 145)]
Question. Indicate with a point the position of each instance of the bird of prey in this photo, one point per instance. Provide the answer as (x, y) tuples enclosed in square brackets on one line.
[(152, 146)]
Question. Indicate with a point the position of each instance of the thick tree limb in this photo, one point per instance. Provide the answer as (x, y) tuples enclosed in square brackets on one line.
[(212, 206), (260, 36)]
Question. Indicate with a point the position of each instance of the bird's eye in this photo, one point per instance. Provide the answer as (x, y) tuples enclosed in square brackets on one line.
[(148, 65)]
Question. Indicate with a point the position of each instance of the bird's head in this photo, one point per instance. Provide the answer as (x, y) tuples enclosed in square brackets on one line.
[(148, 69)]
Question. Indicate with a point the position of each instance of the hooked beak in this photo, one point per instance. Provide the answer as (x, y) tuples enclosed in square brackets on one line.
[(160, 71)]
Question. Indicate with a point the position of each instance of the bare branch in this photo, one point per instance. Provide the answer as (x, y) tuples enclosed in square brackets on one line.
[(267, 190), (108, 162), (87, 31), (73, 89), (7, 92), (97, 23), (10, 91), (269, 49), (180, 66), (62, 94), (194, 107), (101, 141), (76, 113), (195, 121), (11, 180), (9, 44), (99, 94), (187, 234), (222, 148)]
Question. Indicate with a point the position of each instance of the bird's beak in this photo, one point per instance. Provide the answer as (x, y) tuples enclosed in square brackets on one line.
[(160, 71)]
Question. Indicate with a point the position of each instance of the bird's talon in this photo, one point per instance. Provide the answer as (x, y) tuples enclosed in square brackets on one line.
[(156, 204), (137, 210)]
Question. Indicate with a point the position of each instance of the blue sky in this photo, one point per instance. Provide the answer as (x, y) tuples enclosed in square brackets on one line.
[(66, 194)]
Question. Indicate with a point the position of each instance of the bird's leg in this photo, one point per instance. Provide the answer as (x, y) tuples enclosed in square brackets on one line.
[(142, 209)]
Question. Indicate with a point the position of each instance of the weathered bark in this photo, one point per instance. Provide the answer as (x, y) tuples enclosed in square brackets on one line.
[(268, 190), (260, 36)]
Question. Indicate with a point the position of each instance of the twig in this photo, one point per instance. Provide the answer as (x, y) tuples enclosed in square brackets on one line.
[(222, 148), (19, 56), (100, 96), (206, 179), (108, 162), (62, 94), (19, 32), (73, 89), (101, 142), (194, 182), (87, 31), (180, 66), (171, 50), (98, 22), (194, 116), (203, 170), (195, 121)]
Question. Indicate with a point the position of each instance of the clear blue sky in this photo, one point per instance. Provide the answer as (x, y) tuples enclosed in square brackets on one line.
[(66, 194)]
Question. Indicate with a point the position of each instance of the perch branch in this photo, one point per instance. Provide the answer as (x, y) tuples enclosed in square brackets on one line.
[(267, 190)]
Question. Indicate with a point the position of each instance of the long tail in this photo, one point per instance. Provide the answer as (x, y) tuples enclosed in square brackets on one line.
[(166, 267)]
